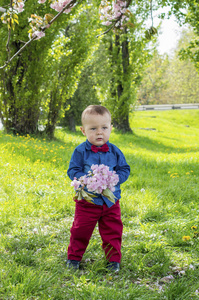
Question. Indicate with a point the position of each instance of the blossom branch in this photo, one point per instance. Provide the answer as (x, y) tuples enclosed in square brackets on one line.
[(110, 28), (116, 16), (68, 6), (18, 52), (9, 35)]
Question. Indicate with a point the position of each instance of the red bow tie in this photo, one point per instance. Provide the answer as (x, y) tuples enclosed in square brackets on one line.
[(104, 148)]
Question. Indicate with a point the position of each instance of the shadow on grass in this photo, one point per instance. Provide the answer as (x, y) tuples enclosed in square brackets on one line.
[(148, 144)]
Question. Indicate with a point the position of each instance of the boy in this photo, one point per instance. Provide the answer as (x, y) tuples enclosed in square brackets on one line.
[(96, 126)]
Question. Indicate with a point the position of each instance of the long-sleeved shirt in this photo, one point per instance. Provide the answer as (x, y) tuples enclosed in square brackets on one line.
[(83, 158)]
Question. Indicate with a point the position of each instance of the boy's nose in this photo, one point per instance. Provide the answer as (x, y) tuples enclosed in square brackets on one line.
[(99, 131)]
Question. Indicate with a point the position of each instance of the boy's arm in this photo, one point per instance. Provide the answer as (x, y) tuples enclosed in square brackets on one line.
[(76, 168), (122, 168)]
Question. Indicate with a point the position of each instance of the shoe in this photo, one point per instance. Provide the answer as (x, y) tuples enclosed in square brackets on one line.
[(113, 266), (73, 264)]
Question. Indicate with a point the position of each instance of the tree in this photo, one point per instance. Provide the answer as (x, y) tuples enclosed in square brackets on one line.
[(182, 75), (154, 82), (69, 56), (20, 81), (126, 56), (169, 79), (192, 17)]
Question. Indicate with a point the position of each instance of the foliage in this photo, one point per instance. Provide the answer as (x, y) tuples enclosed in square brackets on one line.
[(170, 79), (84, 95), (43, 92), (155, 82), (159, 209), (21, 80), (191, 17)]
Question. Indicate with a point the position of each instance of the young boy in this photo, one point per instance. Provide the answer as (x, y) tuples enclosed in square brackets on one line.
[(96, 126)]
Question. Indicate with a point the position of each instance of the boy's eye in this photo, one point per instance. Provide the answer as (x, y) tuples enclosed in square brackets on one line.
[(92, 128), (104, 127)]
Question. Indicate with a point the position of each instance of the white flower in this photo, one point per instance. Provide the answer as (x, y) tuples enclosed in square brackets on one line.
[(191, 267), (35, 231)]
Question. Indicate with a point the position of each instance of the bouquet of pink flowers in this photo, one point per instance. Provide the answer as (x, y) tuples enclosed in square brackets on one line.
[(99, 180)]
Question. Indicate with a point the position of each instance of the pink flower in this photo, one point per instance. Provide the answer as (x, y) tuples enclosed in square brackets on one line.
[(60, 4), (39, 34), (76, 183), (113, 11), (18, 6), (98, 179), (83, 180)]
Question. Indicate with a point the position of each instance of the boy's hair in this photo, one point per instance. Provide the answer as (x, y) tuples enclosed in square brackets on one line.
[(95, 110)]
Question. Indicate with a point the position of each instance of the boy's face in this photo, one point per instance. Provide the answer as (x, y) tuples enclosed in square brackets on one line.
[(97, 128)]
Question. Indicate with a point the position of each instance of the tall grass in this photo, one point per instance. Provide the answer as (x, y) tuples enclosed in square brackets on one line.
[(160, 211)]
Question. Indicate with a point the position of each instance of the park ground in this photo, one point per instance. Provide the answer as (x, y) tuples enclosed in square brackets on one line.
[(160, 212)]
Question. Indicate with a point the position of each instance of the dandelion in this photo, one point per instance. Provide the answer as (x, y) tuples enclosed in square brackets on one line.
[(193, 227), (186, 238)]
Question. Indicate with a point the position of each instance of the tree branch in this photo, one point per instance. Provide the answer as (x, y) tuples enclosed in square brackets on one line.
[(113, 25), (34, 37)]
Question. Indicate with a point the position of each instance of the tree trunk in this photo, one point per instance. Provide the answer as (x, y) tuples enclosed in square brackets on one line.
[(71, 123), (53, 114), (121, 115), (19, 112)]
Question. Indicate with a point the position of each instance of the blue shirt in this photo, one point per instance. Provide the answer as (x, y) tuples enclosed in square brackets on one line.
[(83, 157)]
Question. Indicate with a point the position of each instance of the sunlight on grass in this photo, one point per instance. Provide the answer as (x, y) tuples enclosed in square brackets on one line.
[(159, 207)]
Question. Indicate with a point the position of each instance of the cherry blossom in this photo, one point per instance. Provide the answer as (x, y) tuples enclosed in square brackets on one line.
[(60, 4), (98, 180), (18, 5), (113, 12)]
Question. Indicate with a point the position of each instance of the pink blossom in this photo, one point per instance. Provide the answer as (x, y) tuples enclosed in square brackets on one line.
[(18, 6), (41, 1), (83, 180), (39, 34), (60, 4), (97, 180), (76, 183), (112, 12)]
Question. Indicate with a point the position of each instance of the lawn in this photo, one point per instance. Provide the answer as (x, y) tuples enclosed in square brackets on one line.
[(160, 212)]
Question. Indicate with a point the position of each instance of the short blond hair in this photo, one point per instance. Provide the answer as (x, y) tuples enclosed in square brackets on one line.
[(95, 110)]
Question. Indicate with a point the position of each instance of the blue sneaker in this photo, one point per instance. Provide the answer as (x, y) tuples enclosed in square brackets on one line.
[(113, 266), (73, 264)]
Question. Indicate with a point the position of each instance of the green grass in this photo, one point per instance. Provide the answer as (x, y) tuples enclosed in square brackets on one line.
[(160, 211)]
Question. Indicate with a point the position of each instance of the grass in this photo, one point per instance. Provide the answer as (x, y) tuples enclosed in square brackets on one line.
[(160, 209)]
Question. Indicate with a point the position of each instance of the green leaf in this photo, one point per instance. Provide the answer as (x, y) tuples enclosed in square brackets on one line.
[(78, 196), (108, 194), (87, 196)]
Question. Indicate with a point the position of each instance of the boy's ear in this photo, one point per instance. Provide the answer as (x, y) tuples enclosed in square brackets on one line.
[(82, 130)]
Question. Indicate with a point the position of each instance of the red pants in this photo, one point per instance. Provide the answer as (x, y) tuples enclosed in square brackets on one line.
[(110, 228)]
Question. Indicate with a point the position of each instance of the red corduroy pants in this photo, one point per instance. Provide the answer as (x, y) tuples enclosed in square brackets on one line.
[(87, 215)]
